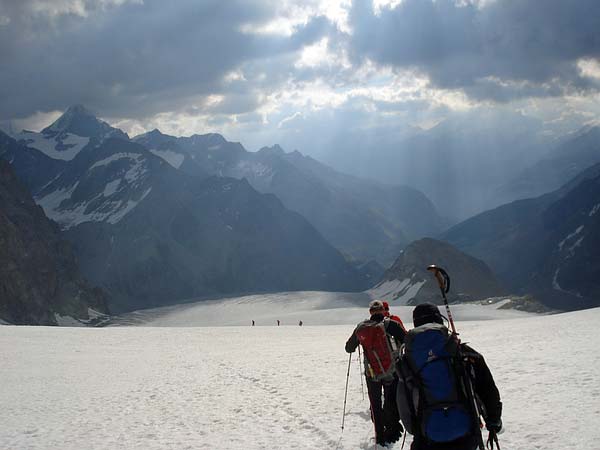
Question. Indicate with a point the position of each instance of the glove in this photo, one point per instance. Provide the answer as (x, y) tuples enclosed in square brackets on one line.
[(494, 425), (494, 428)]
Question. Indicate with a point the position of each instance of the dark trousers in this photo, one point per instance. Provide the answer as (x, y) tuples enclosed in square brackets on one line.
[(468, 443), (384, 414)]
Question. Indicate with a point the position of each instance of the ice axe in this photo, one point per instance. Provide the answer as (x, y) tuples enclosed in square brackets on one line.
[(443, 280)]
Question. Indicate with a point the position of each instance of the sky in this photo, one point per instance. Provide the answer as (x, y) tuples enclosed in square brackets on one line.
[(319, 76)]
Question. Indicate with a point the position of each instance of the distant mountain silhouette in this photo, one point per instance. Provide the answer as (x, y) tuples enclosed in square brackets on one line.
[(547, 245)]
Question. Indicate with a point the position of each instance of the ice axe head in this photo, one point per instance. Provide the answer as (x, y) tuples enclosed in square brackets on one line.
[(441, 276)]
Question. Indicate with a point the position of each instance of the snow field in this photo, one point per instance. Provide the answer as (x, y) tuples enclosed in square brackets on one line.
[(312, 307), (242, 387)]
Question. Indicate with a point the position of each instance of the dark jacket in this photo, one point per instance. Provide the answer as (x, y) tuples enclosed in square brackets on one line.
[(393, 329), (485, 387)]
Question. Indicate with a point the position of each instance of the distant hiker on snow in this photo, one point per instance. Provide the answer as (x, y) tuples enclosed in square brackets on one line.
[(393, 317), (378, 336), (434, 400)]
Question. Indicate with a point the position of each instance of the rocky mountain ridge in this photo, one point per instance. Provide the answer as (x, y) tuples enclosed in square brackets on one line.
[(40, 283)]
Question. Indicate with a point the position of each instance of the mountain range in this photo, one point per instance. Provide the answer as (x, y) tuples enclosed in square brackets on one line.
[(363, 219), (159, 219)]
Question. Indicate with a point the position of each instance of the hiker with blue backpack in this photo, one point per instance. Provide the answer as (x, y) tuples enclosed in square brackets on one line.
[(444, 387), (379, 337)]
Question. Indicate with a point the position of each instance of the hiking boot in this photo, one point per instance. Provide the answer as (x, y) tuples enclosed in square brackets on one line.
[(393, 436)]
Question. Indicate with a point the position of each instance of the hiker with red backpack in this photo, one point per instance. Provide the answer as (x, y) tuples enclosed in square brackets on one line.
[(444, 386), (378, 336), (393, 317)]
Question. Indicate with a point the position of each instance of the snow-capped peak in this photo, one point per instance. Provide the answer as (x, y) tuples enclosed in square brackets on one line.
[(71, 115), (80, 121)]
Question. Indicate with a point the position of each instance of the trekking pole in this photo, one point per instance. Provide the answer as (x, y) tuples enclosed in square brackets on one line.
[(346, 392), (443, 280), (362, 389)]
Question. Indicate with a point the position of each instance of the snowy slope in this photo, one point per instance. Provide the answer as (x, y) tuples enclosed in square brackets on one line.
[(312, 307), (64, 147), (102, 185), (242, 387)]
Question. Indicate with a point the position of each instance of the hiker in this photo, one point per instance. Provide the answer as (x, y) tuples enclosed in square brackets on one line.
[(300, 323), (393, 317), (431, 372), (253, 323), (278, 322), (377, 335)]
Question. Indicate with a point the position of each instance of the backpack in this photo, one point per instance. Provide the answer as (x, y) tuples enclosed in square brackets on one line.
[(381, 352), (431, 395)]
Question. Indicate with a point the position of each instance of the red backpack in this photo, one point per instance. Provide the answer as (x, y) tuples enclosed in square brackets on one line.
[(381, 352)]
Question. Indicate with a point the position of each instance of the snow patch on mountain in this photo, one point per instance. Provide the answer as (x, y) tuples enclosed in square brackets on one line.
[(253, 169), (117, 156), (404, 296), (572, 248), (94, 317), (569, 237), (173, 158), (594, 210), (52, 201), (111, 211), (557, 286), (401, 291), (64, 147), (387, 288), (111, 188), (67, 321), (127, 208)]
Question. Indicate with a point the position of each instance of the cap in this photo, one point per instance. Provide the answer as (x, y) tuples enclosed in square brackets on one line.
[(426, 313), (376, 306)]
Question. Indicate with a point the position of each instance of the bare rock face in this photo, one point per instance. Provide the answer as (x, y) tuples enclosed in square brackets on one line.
[(39, 278), (408, 281)]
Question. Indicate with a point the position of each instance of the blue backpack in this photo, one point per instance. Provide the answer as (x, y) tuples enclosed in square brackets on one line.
[(431, 394)]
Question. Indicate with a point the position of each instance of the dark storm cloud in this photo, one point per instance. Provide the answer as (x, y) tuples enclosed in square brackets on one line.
[(134, 59), (498, 50)]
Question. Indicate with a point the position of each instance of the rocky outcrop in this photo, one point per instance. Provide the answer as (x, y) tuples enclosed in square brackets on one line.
[(39, 278), (408, 282)]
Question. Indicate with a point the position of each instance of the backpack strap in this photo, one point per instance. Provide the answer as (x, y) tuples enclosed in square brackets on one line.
[(391, 340)]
